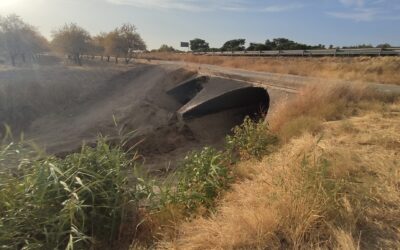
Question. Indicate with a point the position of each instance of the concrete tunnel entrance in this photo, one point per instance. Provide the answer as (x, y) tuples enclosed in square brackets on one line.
[(202, 96), (250, 101)]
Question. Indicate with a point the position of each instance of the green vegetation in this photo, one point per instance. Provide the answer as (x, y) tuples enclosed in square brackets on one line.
[(71, 203), (251, 139), (202, 176), (90, 198), (165, 48), (234, 45), (198, 44)]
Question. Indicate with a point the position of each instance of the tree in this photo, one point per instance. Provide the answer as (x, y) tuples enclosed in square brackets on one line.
[(198, 44), (384, 46), (97, 46), (360, 46), (287, 44), (110, 45), (166, 48), (257, 47), (71, 40), (234, 45), (18, 38), (123, 42)]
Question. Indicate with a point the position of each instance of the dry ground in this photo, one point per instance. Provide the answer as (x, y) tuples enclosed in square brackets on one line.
[(59, 107), (370, 69)]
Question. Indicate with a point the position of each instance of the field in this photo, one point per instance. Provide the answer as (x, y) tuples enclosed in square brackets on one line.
[(367, 69), (320, 172)]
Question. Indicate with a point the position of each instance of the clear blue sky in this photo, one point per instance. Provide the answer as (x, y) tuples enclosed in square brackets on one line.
[(337, 22)]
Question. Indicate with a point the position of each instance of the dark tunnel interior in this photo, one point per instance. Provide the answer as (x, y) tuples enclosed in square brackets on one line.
[(188, 90), (251, 101)]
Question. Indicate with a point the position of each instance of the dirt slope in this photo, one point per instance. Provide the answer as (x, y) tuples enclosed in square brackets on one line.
[(125, 96), (60, 107)]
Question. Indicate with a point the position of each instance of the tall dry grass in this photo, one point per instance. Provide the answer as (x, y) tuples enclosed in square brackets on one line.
[(335, 188), (311, 194), (316, 104), (370, 69)]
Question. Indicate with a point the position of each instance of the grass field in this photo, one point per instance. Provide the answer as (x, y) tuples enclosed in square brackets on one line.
[(370, 69)]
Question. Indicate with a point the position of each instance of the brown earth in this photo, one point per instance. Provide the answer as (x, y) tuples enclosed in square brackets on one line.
[(60, 107)]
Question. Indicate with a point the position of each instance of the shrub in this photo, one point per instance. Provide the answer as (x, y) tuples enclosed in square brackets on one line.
[(202, 177), (251, 139), (76, 202)]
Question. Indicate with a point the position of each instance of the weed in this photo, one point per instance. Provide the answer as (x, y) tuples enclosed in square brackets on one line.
[(202, 177), (251, 139), (69, 203)]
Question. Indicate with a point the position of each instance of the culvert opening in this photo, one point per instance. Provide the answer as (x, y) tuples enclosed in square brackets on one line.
[(187, 90), (248, 101), (212, 120)]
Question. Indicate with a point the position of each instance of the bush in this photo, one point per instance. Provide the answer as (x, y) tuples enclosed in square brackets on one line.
[(202, 177), (76, 202), (251, 139)]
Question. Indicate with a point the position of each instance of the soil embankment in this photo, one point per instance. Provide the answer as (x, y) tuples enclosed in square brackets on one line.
[(61, 107)]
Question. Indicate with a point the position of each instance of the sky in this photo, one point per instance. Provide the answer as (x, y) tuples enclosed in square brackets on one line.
[(336, 22)]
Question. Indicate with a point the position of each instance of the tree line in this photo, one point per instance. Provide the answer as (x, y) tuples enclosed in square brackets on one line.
[(20, 40), (200, 45)]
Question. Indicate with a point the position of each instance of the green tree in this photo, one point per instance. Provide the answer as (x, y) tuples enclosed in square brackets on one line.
[(71, 40), (360, 46), (166, 48), (234, 45), (287, 44), (384, 46), (257, 47), (198, 44)]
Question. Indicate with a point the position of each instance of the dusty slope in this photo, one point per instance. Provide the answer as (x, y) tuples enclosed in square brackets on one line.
[(60, 107), (339, 188), (125, 96)]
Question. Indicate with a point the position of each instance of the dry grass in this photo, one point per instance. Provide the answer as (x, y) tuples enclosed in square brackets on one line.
[(341, 192), (334, 188), (315, 104), (370, 69)]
